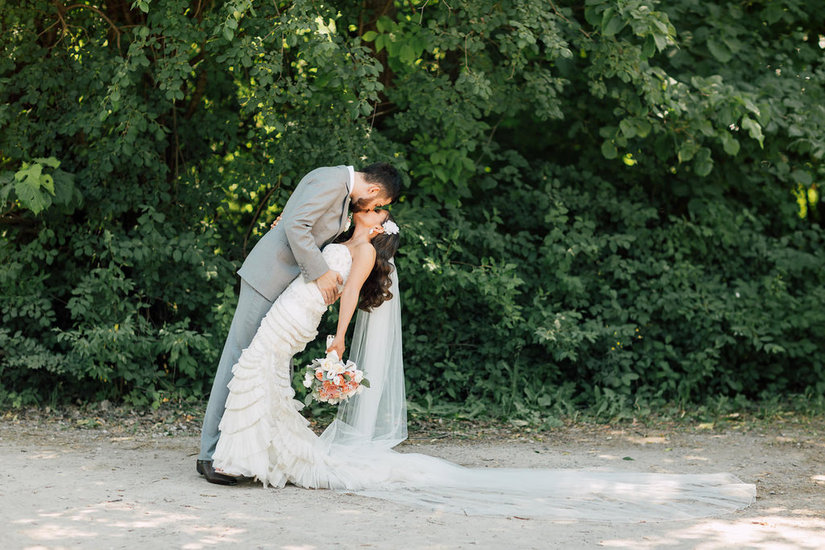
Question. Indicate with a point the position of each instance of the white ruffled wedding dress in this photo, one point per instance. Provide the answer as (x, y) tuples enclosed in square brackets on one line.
[(263, 435)]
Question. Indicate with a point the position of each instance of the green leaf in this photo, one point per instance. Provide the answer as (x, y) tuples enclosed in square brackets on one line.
[(30, 195), (384, 24), (687, 150), (628, 128), (643, 127), (614, 25), (802, 176), (63, 187), (730, 144), (703, 163), (661, 41), (649, 47), (29, 172), (592, 16), (6, 185), (143, 5), (407, 53), (50, 162), (754, 129), (47, 182), (393, 47), (796, 131), (751, 106), (719, 50), (773, 12), (369, 36), (609, 150)]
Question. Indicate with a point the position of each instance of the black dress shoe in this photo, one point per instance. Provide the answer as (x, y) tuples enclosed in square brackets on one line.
[(205, 469)]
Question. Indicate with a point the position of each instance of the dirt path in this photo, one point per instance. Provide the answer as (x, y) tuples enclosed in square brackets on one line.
[(125, 485)]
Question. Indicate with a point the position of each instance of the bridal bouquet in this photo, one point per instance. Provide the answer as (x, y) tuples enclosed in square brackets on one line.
[(332, 381)]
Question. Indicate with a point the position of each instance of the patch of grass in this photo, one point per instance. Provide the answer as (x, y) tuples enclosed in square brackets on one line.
[(455, 420)]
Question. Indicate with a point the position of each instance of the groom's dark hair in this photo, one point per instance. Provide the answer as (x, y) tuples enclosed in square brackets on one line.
[(385, 175)]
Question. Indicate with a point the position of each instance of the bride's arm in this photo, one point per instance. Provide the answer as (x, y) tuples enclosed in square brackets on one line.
[(363, 260)]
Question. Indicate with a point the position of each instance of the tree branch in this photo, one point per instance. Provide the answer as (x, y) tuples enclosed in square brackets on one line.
[(258, 213), (200, 88), (61, 9)]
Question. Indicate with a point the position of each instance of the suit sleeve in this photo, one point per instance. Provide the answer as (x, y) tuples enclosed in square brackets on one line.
[(323, 195)]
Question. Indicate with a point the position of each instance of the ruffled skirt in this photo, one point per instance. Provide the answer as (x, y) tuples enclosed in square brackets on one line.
[(263, 434)]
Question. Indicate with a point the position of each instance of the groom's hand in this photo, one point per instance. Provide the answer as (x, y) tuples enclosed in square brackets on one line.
[(328, 285)]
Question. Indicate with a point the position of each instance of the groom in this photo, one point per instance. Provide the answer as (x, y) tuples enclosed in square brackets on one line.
[(315, 214)]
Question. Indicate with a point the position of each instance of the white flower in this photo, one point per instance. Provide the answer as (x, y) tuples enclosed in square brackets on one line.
[(308, 379), (390, 228), (328, 363)]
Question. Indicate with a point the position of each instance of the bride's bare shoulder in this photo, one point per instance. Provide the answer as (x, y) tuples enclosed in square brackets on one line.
[(363, 252)]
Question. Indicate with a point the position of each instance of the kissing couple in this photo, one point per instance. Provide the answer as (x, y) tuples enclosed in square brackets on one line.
[(253, 428)]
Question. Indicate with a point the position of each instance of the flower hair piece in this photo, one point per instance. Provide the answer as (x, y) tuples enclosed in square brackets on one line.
[(390, 228)]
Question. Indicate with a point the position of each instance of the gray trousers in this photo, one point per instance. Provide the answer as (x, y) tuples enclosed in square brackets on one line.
[(252, 307)]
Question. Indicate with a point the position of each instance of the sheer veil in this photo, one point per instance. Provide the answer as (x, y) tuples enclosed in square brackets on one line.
[(376, 417), (358, 444)]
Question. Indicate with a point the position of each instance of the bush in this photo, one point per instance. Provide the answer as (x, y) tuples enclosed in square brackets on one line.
[(611, 206), (571, 279)]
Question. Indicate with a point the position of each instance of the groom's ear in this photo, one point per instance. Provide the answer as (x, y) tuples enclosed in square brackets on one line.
[(374, 191)]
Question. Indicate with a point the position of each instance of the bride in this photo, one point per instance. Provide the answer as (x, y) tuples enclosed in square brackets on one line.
[(264, 436)]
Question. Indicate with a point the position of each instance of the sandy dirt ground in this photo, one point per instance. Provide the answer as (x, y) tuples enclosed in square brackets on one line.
[(79, 481)]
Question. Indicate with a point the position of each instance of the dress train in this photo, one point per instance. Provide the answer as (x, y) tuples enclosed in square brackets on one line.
[(263, 435)]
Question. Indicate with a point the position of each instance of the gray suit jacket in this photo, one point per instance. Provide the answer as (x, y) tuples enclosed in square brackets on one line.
[(314, 215)]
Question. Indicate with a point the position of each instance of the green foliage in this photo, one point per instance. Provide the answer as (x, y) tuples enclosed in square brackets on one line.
[(603, 289), (35, 188), (611, 206)]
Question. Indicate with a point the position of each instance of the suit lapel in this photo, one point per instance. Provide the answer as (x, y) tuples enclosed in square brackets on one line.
[(344, 215), (342, 219)]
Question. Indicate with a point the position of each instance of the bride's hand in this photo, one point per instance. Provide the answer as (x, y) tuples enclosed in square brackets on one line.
[(337, 346), (275, 222)]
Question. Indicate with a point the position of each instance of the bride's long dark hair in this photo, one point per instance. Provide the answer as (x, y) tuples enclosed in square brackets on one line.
[(376, 289)]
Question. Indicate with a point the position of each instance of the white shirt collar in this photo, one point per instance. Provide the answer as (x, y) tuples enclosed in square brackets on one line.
[(351, 180)]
